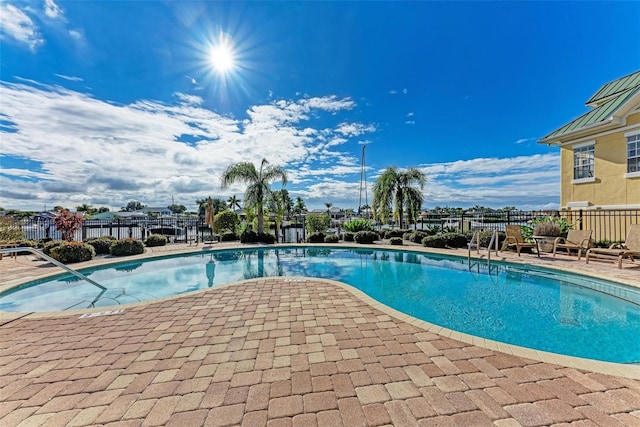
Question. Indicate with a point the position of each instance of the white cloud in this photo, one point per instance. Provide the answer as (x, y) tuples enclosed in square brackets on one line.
[(410, 122), (410, 114), (354, 129), (148, 150), (16, 25), (70, 78), (51, 9)]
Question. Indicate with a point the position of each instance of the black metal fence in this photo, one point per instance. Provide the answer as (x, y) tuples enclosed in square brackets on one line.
[(608, 225)]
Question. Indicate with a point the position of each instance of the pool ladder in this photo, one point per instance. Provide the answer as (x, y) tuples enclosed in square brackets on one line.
[(52, 261), (475, 244)]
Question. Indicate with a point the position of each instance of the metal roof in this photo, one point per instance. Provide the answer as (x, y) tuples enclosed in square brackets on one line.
[(615, 87), (607, 101)]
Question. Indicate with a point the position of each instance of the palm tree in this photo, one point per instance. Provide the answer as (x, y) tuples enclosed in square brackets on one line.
[(234, 202), (300, 206), (258, 183), (396, 187), (328, 205)]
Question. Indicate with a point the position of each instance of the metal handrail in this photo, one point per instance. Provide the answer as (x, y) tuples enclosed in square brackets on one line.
[(52, 261), (476, 245)]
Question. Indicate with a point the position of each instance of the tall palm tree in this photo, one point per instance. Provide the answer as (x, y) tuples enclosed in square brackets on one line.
[(397, 188), (300, 206), (233, 202), (258, 183), (328, 205)]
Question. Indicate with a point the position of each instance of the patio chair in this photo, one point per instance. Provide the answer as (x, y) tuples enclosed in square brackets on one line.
[(515, 239), (629, 249), (580, 240)]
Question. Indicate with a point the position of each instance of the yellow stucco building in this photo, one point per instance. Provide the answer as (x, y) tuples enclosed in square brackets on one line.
[(600, 150)]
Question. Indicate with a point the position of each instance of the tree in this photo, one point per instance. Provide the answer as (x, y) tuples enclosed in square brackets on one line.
[(218, 205), (226, 221), (317, 223), (396, 188), (177, 209), (328, 205), (86, 208), (281, 205), (103, 209), (67, 223), (300, 206), (233, 202), (133, 206), (258, 184)]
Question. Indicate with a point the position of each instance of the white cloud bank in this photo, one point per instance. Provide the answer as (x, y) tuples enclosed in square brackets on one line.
[(15, 25), (62, 147)]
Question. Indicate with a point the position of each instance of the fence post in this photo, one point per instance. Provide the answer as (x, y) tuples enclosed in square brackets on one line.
[(580, 218)]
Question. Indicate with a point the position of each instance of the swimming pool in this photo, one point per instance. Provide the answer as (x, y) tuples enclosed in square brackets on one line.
[(530, 307)]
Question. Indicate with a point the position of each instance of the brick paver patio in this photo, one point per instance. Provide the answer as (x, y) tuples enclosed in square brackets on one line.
[(283, 352)]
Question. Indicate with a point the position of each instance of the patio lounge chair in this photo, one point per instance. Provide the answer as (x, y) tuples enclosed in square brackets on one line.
[(629, 249), (580, 240), (515, 239)]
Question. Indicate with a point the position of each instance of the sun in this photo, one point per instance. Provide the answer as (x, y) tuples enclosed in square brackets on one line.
[(222, 57)]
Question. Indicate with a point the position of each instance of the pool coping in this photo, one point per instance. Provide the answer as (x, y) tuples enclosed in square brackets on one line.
[(617, 369)]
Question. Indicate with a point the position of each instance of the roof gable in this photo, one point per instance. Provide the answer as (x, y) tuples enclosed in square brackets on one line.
[(614, 88), (613, 99)]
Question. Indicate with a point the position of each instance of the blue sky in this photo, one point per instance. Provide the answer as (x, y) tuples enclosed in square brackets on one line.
[(108, 102)]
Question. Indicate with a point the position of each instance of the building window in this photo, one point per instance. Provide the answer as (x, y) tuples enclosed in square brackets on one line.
[(633, 153), (583, 159)]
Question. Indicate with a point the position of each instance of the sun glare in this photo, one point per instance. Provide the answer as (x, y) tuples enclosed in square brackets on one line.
[(222, 58)]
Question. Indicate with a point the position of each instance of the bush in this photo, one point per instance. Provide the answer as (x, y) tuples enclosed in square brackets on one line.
[(228, 236), (417, 236), (125, 247), (396, 241), (46, 249), (348, 236), (102, 245), (396, 233), (447, 240), (332, 238), (69, 252), (315, 238), (366, 236), (358, 224), (155, 240), (10, 230), (226, 220), (407, 235), (267, 238), (248, 236)]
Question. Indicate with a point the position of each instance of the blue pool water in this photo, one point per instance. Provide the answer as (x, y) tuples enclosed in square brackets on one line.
[(536, 308)]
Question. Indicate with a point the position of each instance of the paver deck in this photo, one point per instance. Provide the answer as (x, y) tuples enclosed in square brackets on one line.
[(282, 352)]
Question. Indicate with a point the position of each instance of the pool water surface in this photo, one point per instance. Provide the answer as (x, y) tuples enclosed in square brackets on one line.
[(530, 307)]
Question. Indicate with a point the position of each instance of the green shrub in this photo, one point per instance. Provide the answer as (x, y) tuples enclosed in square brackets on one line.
[(332, 238), (228, 236), (225, 221), (417, 236), (107, 237), (125, 247), (396, 241), (101, 245), (10, 230), (47, 247), (358, 224), (407, 235), (69, 252), (267, 238), (155, 240), (348, 236), (315, 238), (248, 236), (366, 236), (395, 233), (447, 240)]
